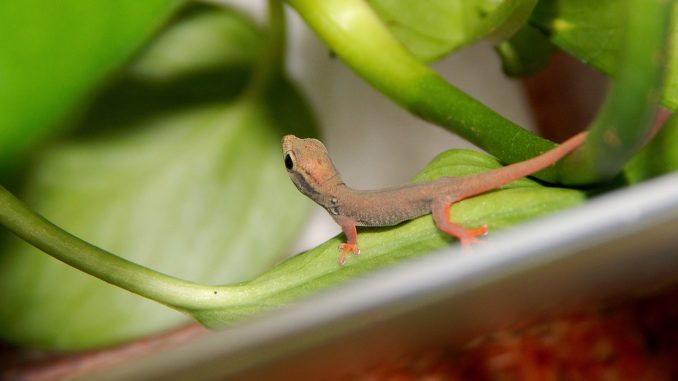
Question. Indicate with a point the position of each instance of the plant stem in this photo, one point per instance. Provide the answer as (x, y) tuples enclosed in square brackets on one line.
[(182, 295), (625, 121), (51, 239), (270, 66), (354, 32)]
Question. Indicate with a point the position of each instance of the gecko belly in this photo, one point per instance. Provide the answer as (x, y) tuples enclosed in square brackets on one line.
[(391, 215)]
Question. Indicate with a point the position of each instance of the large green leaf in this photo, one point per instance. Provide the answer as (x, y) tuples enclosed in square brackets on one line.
[(173, 169), (432, 28), (317, 269), (593, 31), (52, 53)]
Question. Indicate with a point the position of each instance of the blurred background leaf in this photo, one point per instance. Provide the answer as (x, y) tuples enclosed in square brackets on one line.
[(52, 54), (170, 168), (431, 29)]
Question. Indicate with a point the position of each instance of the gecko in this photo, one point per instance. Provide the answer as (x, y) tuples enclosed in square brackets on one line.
[(312, 171)]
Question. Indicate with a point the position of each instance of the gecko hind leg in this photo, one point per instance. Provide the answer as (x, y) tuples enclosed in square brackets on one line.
[(441, 217)]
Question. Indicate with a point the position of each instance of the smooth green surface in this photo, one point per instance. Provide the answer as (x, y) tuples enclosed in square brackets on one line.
[(431, 29), (594, 32), (53, 53), (172, 168)]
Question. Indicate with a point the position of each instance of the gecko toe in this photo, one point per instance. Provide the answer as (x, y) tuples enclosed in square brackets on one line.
[(345, 249)]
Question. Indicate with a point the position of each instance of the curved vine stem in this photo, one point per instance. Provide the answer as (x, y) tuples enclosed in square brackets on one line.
[(53, 240), (625, 120)]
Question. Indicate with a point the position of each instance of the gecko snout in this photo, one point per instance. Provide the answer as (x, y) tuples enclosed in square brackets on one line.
[(288, 142)]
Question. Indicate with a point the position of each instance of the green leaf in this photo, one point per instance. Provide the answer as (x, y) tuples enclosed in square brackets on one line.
[(317, 269), (431, 29), (625, 120), (52, 54), (171, 169), (593, 31), (670, 92), (525, 53)]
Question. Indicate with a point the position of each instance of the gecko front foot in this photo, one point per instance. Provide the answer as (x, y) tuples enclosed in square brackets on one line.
[(345, 249)]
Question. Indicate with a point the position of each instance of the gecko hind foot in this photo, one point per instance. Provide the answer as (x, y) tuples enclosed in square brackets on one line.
[(345, 249), (469, 236)]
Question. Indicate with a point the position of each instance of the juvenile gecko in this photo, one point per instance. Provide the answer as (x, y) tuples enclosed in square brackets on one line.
[(312, 171)]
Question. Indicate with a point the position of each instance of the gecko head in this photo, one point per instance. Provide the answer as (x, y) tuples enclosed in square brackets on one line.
[(309, 165)]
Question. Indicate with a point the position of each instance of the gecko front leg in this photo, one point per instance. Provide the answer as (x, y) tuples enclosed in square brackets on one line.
[(351, 245), (440, 209)]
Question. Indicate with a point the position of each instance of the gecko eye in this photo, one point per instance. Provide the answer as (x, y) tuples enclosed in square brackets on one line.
[(289, 163)]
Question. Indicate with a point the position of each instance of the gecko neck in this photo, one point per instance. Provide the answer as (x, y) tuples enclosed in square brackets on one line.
[(328, 193)]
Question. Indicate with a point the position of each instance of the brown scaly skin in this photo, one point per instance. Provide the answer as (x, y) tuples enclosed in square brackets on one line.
[(313, 173)]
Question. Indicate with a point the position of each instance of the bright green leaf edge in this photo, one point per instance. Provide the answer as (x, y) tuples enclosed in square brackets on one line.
[(306, 273)]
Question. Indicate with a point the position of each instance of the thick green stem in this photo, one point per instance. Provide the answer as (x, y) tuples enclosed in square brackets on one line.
[(353, 31), (625, 121)]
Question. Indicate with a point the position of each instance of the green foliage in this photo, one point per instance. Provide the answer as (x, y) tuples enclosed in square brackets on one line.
[(52, 53), (525, 53), (627, 116), (356, 34), (658, 157), (594, 31), (431, 29), (176, 163), (364, 42), (171, 168)]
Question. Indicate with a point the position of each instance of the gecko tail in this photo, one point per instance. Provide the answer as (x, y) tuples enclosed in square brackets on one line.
[(486, 181)]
